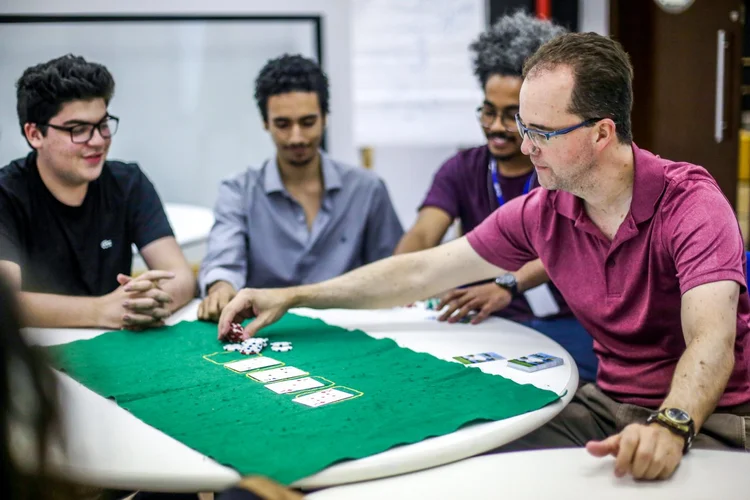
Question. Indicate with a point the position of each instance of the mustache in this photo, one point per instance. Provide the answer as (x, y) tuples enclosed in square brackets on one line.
[(297, 145), (502, 135)]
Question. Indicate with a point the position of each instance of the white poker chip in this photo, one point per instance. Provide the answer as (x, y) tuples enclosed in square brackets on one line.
[(282, 349), (281, 346)]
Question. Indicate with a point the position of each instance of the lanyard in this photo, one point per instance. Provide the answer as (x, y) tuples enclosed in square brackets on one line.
[(496, 183)]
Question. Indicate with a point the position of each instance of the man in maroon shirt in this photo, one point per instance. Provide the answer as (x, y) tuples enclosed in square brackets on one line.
[(646, 251), (473, 183)]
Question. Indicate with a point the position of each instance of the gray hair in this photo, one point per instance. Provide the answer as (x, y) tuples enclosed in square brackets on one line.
[(503, 49)]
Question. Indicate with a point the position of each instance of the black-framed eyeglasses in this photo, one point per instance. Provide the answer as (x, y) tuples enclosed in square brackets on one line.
[(81, 133), (540, 138), (488, 114)]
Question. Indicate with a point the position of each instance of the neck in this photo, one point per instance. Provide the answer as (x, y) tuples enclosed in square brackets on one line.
[(297, 175), (64, 192), (610, 186), (515, 167)]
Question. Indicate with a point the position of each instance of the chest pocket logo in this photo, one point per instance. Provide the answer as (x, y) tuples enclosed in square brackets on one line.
[(106, 244)]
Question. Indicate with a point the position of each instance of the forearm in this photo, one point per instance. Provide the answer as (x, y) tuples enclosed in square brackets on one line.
[(397, 280), (181, 288), (58, 311), (411, 242), (700, 379), (531, 275)]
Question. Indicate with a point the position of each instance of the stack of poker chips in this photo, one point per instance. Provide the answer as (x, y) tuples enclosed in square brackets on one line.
[(253, 345), (281, 346)]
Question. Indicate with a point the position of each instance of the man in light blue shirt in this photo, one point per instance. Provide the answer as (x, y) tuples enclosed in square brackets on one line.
[(302, 217)]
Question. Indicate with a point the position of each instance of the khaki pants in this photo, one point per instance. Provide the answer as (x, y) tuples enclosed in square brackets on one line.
[(592, 415)]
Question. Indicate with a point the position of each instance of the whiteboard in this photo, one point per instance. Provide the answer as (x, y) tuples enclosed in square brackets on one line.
[(184, 91), (413, 81)]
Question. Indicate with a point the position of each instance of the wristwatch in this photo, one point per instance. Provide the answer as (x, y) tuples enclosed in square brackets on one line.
[(676, 420), (508, 281)]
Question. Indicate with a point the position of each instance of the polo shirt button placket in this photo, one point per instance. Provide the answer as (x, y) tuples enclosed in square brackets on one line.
[(609, 277)]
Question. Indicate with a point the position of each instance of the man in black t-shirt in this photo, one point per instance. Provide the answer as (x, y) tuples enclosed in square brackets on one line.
[(69, 218)]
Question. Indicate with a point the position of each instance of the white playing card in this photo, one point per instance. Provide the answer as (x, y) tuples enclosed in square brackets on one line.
[(541, 301), (245, 365), (324, 397), (277, 374), (296, 385)]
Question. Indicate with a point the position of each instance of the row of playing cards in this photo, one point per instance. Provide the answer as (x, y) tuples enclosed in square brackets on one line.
[(265, 376), (280, 385), (531, 363)]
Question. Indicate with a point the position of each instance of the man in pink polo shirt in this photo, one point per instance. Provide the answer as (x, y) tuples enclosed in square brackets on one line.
[(647, 253)]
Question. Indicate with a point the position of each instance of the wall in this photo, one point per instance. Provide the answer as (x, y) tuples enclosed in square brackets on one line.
[(407, 169), (193, 71), (593, 15)]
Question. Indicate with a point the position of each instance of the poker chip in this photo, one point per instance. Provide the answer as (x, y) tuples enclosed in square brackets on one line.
[(235, 333), (281, 346), (253, 345)]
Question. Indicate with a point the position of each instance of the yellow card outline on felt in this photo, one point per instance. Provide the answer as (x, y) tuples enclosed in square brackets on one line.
[(358, 394), (254, 370), (319, 388), (314, 377), (207, 357), (265, 369)]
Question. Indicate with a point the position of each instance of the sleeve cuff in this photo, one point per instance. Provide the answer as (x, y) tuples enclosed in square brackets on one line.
[(220, 274), (442, 206), (718, 275)]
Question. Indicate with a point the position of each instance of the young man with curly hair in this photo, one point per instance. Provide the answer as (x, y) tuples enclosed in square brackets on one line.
[(69, 217), (302, 217), (472, 184)]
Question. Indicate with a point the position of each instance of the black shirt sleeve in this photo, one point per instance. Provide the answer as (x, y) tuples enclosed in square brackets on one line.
[(10, 229), (148, 218)]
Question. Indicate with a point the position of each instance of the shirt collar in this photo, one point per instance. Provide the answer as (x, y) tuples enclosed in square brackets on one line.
[(648, 186), (272, 179)]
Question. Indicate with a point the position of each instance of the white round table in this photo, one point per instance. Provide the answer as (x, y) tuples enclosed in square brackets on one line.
[(111, 448), (558, 475)]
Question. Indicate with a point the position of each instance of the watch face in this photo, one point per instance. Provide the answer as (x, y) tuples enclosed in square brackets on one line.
[(506, 280), (677, 415)]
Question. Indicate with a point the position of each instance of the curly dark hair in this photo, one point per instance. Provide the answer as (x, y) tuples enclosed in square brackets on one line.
[(503, 48), (43, 89), (290, 73)]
